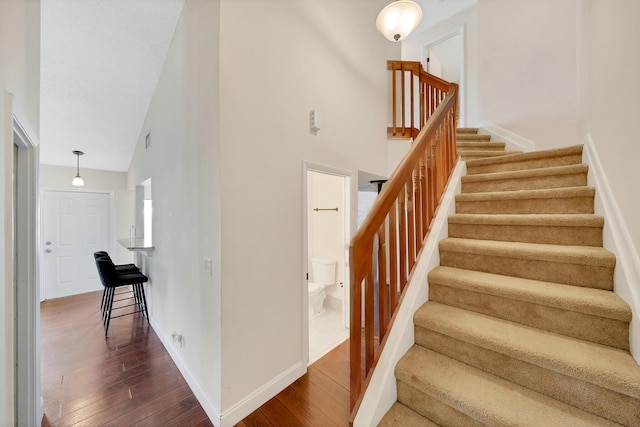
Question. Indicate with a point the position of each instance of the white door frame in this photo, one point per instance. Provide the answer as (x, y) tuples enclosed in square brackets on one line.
[(350, 219), (29, 408), (462, 85), (112, 221)]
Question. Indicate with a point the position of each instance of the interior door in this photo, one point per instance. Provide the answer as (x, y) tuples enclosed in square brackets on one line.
[(75, 225)]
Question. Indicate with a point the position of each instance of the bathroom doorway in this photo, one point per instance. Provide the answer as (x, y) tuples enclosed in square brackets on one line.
[(327, 214)]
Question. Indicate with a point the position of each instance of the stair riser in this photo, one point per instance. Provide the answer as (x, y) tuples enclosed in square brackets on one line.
[(466, 130), (472, 137), (586, 396), (466, 157), (583, 326), (575, 236), (432, 408), (572, 205), (573, 159), (532, 183), (584, 274)]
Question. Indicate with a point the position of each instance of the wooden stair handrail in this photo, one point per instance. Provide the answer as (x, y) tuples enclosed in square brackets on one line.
[(386, 247)]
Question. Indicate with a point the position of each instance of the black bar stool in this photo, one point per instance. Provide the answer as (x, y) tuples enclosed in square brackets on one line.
[(111, 280), (122, 268)]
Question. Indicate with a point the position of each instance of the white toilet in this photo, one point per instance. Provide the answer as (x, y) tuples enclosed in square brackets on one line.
[(323, 271)]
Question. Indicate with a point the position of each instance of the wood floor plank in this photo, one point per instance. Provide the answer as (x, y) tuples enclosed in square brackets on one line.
[(329, 386), (332, 409), (148, 409), (129, 378), (256, 419), (318, 398), (165, 415), (91, 380), (305, 410), (278, 413)]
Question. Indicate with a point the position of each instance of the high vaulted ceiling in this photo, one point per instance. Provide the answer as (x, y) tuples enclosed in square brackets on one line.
[(100, 62)]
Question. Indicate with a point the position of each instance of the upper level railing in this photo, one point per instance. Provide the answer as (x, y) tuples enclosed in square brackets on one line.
[(415, 96), (385, 249)]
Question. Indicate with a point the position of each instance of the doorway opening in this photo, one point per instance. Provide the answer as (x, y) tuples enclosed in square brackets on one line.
[(327, 219), (444, 58), (28, 394)]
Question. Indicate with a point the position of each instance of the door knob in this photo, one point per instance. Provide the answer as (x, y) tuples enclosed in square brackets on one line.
[(47, 243), (48, 251)]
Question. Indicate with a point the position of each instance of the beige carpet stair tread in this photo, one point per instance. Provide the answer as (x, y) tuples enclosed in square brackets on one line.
[(485, 397), (400, 415), (587, 255), (472, 137), (552, 193), (519, 157), (527, 173), (546, 220), (596, 302), (604, 366), (555, 229)]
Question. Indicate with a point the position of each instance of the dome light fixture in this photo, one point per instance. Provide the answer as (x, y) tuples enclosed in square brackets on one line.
[(398, 19), (77, 180)]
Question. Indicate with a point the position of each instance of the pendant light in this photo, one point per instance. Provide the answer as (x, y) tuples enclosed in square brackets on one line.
[(398, 19), (77, 180)]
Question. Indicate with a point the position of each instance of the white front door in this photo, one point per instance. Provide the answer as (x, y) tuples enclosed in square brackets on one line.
[(75, 225)]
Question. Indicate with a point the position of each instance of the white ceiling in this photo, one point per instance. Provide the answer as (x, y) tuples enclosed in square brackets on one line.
[(435, 11), (100, 62)]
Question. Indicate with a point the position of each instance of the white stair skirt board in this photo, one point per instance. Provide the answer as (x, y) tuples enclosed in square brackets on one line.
[(616, 239), (513, 140), (381, 393)]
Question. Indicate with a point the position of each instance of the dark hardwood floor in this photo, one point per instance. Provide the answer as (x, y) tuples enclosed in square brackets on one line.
[(320, 398), (124, 380), (129, 379)]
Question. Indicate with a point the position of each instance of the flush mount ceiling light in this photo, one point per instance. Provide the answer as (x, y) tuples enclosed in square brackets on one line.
[(398, 19), (77, 180)]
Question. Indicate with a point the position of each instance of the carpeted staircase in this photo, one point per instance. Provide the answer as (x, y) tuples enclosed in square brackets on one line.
[(522, 327)]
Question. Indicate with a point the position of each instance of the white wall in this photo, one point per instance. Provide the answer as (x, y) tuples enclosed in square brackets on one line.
[(59, 178), (463, 22), (609, 60), (436, 11), (183, 162), (326, 228), (279, 60), (447, 53), (236, 196), (611, 94), (527, 68), (19, 71)]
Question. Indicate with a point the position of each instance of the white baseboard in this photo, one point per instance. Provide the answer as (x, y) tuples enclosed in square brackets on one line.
[(512, 139), (381, 393), (243, 408), (212, 412), (256, 399), (617, 240)]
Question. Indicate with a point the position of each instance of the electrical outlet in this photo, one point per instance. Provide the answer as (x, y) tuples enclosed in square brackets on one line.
[(208, 266), (177, 338)]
